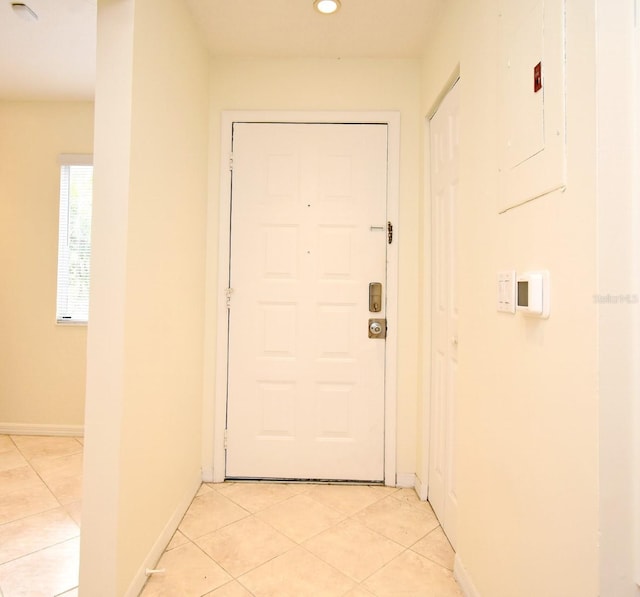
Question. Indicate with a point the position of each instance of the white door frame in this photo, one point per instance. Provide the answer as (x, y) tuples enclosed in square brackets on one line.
[(422, 482), (392, 119)]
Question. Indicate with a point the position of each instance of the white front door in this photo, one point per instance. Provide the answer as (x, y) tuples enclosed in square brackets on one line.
[(444, 138), (305, 396)]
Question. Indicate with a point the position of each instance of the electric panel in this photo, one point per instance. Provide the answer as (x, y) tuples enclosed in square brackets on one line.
[(531, 77)]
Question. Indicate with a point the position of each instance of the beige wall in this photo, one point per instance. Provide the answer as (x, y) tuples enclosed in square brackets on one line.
[(145, 343), (42, 364), (527, 454), (619, 323), (527, 449), (306, 84)]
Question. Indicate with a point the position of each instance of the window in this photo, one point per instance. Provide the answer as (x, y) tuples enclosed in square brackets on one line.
[(74, 238)]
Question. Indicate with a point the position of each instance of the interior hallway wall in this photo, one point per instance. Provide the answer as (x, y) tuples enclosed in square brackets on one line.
[(145, 341), (323, 84), (618, 78), (527, 412), (42, 364)]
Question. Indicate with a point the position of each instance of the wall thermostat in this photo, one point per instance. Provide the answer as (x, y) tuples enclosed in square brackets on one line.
[(533, 294)]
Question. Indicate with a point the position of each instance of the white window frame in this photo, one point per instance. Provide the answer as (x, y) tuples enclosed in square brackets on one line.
[(65, 315)]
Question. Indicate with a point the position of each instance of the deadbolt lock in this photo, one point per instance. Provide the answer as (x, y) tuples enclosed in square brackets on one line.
[(375, 297), (377, 328)]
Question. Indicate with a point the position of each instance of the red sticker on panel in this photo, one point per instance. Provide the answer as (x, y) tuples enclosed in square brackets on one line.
[(537, 77)]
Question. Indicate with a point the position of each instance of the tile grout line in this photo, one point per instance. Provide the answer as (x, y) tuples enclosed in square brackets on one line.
[(33, 513), (65, 592), (405, 549), (33, 468), (26, 555), (53, 495), (360, 583), (294, 541), (251, 515), (60, 506), (427, 557), (302, 545)]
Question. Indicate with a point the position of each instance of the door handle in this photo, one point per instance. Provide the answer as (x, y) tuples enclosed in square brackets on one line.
[(377, 328)]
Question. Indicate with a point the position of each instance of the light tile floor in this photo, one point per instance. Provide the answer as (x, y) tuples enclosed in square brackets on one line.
[(40, 491), (298, 540), (236, 539)]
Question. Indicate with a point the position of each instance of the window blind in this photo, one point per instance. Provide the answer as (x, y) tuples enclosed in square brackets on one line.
[(74, 238)]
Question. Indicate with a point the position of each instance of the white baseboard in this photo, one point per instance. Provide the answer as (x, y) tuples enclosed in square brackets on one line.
[(32, 429), (405, 480), (208, 475), (464, 580), (163, 539), (421, 489)]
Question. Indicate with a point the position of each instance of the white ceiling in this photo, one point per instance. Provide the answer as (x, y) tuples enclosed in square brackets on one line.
[(54, 58), (287, 28)]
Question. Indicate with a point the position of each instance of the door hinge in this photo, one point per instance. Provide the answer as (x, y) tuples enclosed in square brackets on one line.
[(227, 293), (226, 438), (231, 162), (390, 232)]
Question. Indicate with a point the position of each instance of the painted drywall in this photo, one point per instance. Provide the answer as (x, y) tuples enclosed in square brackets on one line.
[(145, 342), (619, 298), (527, 408), (307, 84), (42, 364)]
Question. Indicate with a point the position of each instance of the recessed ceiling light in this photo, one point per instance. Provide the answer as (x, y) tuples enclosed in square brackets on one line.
[(24, 12), (326, 7)]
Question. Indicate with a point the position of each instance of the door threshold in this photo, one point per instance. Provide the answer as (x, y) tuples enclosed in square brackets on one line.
[(301, 481)]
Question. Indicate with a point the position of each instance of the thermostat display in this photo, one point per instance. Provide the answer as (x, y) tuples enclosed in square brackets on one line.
[(533, 294)]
